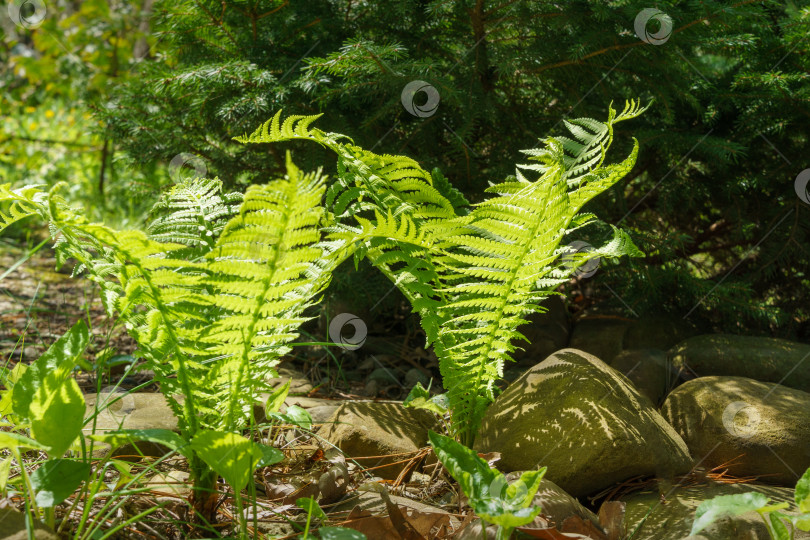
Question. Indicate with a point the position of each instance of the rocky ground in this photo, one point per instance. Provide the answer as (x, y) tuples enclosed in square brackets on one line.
[(638, 421)]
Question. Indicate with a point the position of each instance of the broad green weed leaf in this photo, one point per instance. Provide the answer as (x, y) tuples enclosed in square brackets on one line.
[(490, 495), (726, 505), (311, 506), (9, 379), (5, 468), (298, 417), (50, 369), (340, 533), (295, 415), (801, 522), (56, 479), (57, 415), (11, 376), (9, 439), (802, 493), (470, 471), (419, 398), (232, 456), (165, 437), (276, 399), (525, 488), (778, 528), (125, 475), (417, 392), (270, 456)]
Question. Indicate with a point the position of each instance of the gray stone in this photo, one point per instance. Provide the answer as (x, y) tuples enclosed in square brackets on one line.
[(299, 384), (372, 388), (653, 519), (12, 527), (131, 411), (605, 336), (366, 429), (760, 358), (649, 371), (384, 376), (322, 413), (416, 375), (321, 410), (657, 332), (584, 421), (763, 429), (171, 487)]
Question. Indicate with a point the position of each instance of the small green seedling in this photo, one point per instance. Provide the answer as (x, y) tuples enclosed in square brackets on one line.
[(776, 522), (294, 415), (494, 500), (419, 398)]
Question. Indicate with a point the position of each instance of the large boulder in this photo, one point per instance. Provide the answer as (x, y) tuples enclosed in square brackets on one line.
[(764, 359), (670, 517), (119, 410), (649, 370), (756, 428), (130, 411), (605, 336), (584, 421), (386, 432)]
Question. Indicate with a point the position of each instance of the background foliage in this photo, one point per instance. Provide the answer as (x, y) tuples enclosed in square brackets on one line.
[(106, 94)]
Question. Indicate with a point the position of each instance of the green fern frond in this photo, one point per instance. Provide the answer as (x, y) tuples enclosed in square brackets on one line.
[(267, 267), (19, 203), (210, 318), (193, 212), (505, 257), (409, 212), (588, 148), (494, 266)]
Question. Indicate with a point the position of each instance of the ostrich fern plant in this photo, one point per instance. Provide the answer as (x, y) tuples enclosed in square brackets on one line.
[(473, 276), (213, 293)]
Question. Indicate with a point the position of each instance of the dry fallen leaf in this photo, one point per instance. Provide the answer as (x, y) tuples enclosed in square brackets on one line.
[(611, 517)]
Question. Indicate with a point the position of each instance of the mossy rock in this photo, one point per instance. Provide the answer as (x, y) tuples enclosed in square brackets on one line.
[(380, 431), (649, 370), (652, 517), (584, 421), (750, 427), (761, 358)]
